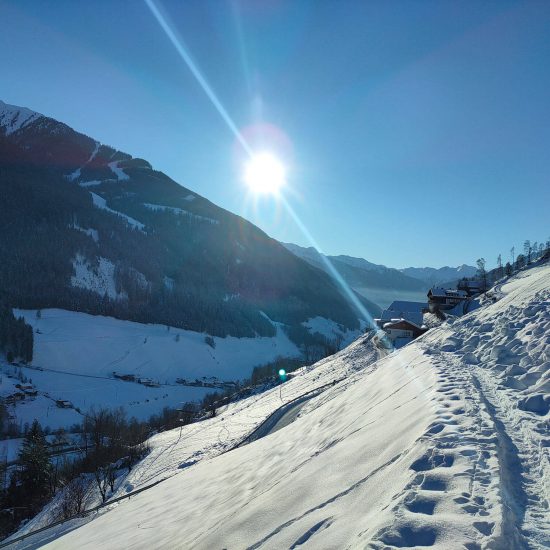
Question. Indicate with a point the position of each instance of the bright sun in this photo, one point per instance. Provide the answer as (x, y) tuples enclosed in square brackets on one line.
[(264, 174)]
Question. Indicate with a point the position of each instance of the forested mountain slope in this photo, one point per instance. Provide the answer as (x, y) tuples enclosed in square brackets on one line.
[(88, 228)]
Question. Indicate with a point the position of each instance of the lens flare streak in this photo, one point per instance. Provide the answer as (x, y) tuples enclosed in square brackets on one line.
[(184, 54), (332, 270)]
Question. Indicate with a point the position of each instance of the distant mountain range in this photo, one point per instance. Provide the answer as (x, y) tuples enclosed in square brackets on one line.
[(440, 276), (88, 228), (380, 283)]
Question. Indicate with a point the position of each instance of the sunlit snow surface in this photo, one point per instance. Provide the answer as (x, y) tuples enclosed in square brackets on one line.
[(441, 444)]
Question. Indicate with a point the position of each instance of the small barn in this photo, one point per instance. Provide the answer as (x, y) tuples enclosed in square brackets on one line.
[(441, 299), (14, 397), (400, 309), (403, 328)]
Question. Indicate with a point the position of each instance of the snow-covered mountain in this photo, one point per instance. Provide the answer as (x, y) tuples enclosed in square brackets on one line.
[(111, 236), (442, 444), (313, 256), (361, 263), (442, 275), (13, 118)]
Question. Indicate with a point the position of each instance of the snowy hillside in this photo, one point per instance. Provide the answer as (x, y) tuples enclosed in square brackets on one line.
[(441, 444), (178, 449), (76, 354), (91, 344)]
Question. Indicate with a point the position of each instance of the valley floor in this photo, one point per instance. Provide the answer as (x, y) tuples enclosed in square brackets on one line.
[(442, 444), (76, 354)]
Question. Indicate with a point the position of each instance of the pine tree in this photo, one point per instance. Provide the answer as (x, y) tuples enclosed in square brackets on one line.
[(35, 466), (520, 262), (482, 273), (527, 250)]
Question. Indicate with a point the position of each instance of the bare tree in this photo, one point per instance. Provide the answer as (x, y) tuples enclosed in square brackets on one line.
[(101, 475), (95, 424), (111, 476), (74, 495), (105, 428)]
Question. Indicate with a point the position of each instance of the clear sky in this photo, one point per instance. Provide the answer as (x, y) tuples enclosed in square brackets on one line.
[(414, 132)]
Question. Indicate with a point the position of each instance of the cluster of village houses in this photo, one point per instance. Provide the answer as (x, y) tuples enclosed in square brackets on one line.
[(403, 321), (24, 391)]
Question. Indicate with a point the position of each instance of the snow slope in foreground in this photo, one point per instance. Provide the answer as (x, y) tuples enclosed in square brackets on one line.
[(442, 444), (175, 450)]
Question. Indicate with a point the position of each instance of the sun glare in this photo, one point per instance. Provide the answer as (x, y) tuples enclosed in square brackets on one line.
[(264, 174)]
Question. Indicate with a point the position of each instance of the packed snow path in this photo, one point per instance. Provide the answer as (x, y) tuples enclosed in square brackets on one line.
[(442, 444)]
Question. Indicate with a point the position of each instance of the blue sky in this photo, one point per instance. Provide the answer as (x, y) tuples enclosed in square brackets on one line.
[(415, 133)]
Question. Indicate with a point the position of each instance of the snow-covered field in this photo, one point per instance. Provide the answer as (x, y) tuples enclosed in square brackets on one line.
[(91, 344), (75, 355), (442, 444), (331, 330), (101, 280), (85, 392)]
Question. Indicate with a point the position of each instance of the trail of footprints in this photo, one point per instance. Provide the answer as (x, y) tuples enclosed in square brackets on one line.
[(453, 476)]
